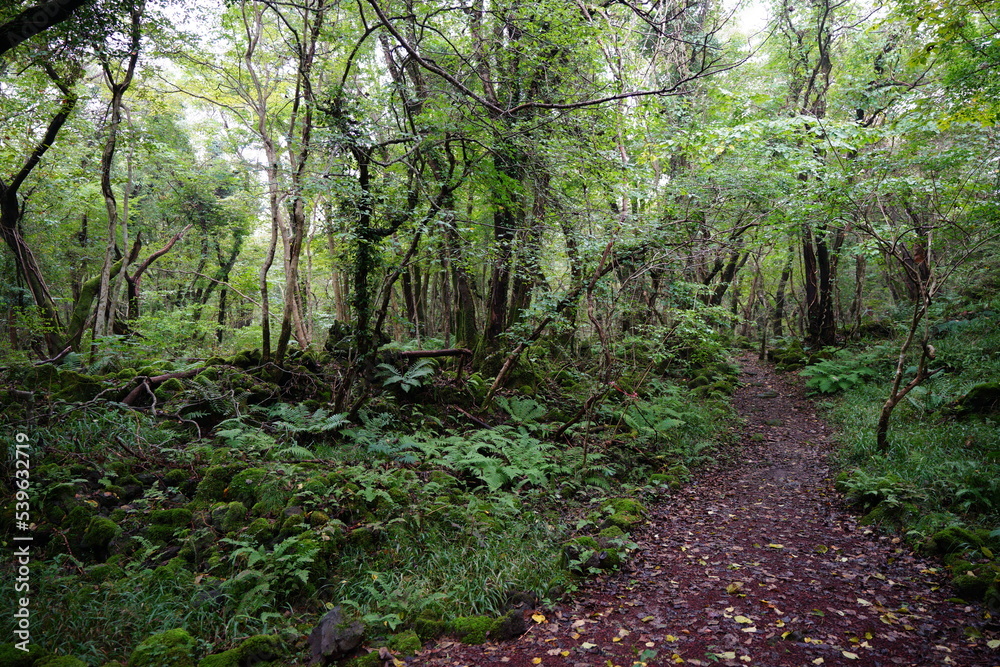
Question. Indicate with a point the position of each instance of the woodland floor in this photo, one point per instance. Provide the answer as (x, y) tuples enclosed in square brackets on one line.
[(749, 551)]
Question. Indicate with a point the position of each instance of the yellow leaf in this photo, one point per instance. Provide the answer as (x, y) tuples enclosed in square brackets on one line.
[(670, 638), (879, 576), (587, 645), (993, 643), (864, 603), (616, 639), (564, 654), (536, 661), (647, 619), (575, 635), (734, 587), (821, 549), (818, 661), (742, 619), (869, 635), (750, 629), (776, 546), (728, 655), (780, 623), (538, 618), (677, 659), (849, 655)]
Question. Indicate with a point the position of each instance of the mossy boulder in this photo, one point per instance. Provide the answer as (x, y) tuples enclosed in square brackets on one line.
[(970, 587), (428, 626), (404, 643), (175, 477), (252, 651), (76, 387), (991, 598), (952, 539), (472, 629), (626, 522), (983, 398), (625, 506), (888, 514), (11, 656), (236, 514), (611, 532), (173, 648), (261, 530), (100, 531), (168, 388), (583, 554), (245, 485), (215, 482)]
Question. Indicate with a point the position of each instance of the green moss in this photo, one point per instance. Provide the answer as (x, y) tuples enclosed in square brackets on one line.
[(11, 656), (405, 643), (235, 515), (992, 598), (215, 482), (230, 658), (472, 629), (260, 529), (76, 387), (245, 486), (253, 651), (427, 626), (99, 533), (626, 522), (173, 648), (176, 477), (889, 514), (611, 533), (368, 660), (951, 539), (970, 587), (180, 516), (318, 518), (626, 506)]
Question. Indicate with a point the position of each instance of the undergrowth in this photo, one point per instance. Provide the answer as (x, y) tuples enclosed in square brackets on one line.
[(228, 513)]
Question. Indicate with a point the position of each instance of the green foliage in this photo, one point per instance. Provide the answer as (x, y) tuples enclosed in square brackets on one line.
[(265, 578), (842, 373), (411, 378)]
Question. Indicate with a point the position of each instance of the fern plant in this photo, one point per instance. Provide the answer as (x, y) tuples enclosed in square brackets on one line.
[(834, 375), (411, 378)]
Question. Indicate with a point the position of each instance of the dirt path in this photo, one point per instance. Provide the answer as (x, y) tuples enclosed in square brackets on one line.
[(756, 564)]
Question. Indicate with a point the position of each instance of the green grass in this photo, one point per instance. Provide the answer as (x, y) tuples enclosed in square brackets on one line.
[(952, 462)]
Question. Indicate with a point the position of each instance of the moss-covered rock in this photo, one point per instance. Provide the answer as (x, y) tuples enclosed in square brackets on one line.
[(626, 506), (405, 643), (626, 522), (890, 514), (428, 626), (234, 517), (991, 598), (611, 533), (252, 651), (11, 656), (982, 398), (952, 539), (76, 387), (584, 553), (99, 533), (173, 648), (175, 477), (245, 486), (472, 629), (215, 482), (260, 529), (970, 587)]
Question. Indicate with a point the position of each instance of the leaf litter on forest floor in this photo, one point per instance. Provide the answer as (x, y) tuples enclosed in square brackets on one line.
[(839, 593)]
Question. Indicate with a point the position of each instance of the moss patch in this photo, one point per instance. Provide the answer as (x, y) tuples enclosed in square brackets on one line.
[(173, 648)]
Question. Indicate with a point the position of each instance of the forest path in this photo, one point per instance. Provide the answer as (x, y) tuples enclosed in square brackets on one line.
[(744, 554)]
